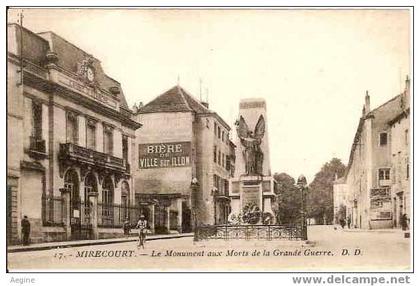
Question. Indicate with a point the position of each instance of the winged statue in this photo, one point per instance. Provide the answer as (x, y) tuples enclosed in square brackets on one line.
[(251, 140)]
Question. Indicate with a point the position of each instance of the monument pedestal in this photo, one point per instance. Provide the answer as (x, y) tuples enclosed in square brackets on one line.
[(252, 192)]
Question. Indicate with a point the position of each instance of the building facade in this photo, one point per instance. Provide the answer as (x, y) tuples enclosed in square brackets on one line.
[(184, 160), (371, 168), (340, 200), (400, 161), (70, 141)]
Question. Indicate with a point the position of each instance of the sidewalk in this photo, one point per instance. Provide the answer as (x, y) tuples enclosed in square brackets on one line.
[(74, 243), (385, 230)]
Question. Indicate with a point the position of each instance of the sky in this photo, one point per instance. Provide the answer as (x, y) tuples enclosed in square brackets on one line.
[(313, 67)]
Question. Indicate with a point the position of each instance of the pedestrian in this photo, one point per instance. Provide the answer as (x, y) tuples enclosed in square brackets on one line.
[(142, 226), (404, 222), (348, 222), (342, 223), (126, 227), (26, 230)]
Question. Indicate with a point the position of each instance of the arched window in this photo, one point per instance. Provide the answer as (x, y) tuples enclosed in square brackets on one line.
[(90, 185), (107, 200), (71, 183)]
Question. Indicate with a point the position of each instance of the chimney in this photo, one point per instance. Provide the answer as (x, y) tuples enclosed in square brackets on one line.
[(206, 104), (367, 103), (135, 109), (407, 83)]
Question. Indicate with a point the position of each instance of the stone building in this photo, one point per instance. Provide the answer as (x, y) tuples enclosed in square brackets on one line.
[(340, 200), (184, 161), (400, 161), (370, 168), (70, 141)]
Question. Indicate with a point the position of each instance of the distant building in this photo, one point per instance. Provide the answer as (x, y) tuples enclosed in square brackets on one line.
[(340, 200), (374, 198), (70, 141), (184, 162)]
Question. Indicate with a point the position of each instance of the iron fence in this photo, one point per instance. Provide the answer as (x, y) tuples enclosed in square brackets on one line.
[(53, 210), (114, 215), (247, 232)]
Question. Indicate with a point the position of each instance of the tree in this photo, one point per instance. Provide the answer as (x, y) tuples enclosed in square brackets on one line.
[(320, 197), (289, 201)]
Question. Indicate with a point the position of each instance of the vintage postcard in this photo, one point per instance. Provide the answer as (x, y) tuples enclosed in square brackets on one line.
[(211, 139)]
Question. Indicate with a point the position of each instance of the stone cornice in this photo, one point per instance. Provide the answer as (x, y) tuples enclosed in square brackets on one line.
[(51, 87)]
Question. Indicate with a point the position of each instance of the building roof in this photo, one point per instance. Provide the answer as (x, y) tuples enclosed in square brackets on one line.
[(36, 46), (177, 99), (381, 116)]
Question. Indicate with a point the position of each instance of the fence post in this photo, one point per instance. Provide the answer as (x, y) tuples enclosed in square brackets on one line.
[(65, 194), (93, 200)]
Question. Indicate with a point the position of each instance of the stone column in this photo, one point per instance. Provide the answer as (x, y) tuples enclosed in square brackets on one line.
[(179, 217), (168, 218), (93, 200), (152, 218), (65, 194)]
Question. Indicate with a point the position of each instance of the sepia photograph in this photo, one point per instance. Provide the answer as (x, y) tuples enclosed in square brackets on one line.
[(209, 139)]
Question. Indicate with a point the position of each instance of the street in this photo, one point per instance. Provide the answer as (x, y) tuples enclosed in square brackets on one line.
[(328, 250)]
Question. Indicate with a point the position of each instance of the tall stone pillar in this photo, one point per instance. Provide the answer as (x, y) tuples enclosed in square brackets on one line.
[(93, 199), (179, 217), (152, 218), (65, 194), (168, 218)]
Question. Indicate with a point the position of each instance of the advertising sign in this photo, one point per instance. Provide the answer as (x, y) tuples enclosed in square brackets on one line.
[(165, 155), (380, 204), (94, 94)]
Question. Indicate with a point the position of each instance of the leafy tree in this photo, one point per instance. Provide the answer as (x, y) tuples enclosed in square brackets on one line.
[(320, 197), (289, 200)]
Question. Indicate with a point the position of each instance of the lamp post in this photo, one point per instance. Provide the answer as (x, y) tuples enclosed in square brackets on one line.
[(194, 189), (302, 185)]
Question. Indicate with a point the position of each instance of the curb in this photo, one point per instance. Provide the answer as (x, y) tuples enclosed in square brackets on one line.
[(96, 242)]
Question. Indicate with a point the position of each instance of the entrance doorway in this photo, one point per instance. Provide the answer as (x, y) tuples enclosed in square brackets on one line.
[(186, 218), (161, 219), (71, 183)]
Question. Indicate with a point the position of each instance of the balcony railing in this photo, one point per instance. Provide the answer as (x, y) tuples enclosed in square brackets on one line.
[(36, 144), (73, 152)]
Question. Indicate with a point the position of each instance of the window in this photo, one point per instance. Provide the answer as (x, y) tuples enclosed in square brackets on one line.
[(207, 123), (223, 160), (215, 129), (107, 200), (227, 163), (108, 140), (384, 174), (125, 148), (223, 136), (218, 132), (407, 170), (218, 157), (37, 120), (215, 181), (407, 138), (72, 128), (383, 139), (215, 154), (91, 134)]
